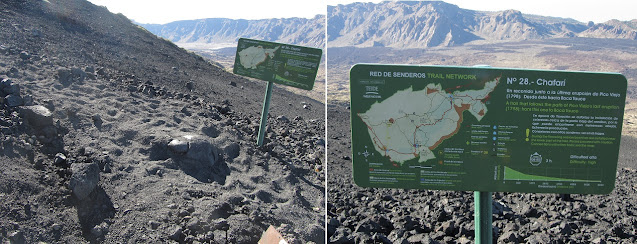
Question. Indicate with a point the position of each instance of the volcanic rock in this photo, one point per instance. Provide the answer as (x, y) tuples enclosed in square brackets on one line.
[(24, 55), (176, 233), (509, 236), (59, 160), (84, 179), (201, 150), (342, 235), (178, 146), (37, 115), (13, 100), (17, 237), (232, 150)]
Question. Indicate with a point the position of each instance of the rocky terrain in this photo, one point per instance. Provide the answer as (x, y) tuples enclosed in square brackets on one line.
[(110, 134), (217, 32), (422, 24)]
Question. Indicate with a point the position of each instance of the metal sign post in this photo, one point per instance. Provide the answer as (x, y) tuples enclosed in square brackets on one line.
[(483, 214), (273, 62), (264, 113)]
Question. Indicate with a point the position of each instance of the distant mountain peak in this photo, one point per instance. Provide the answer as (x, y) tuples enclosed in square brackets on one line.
[(409, 24)]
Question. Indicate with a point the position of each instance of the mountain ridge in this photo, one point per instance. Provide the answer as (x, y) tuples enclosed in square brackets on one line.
[(413, 24), (298, 31)]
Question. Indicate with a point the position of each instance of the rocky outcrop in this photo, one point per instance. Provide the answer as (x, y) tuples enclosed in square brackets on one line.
[(613, 29), (399, 24)]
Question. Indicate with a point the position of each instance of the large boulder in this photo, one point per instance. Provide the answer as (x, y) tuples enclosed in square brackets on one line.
[(84, 179), (195, 155), (201, 150), (37, 115), (68, 76)]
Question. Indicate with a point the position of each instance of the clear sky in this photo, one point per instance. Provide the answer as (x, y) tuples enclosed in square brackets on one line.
[(164, 11), (582, 10)]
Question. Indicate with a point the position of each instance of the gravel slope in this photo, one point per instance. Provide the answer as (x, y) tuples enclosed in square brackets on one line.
[(129, 138)]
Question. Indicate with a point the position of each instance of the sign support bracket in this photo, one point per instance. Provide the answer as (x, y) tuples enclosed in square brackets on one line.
[(264, 113), (483, 217)]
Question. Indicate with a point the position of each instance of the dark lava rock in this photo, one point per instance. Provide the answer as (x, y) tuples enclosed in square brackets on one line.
[(7, 87), (17, 237), (332, 225), (368, 225), (421, 238), (154, 224), (194, 224), (232, 150), (24, 55), (221, 224), (59, 160), (13, 100), (84, 179), (538, 238), (381, 238), (176, 233), (342, 235), (38, 115), (282, 119), (508, 236), (97, 120)]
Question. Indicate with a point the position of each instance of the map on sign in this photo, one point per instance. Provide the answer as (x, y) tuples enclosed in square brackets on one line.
[(280, 63), (485, 129), (253, 56), (416, 128)]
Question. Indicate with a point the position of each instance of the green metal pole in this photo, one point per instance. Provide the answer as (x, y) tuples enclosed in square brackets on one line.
[(264, 113), (483, 217)]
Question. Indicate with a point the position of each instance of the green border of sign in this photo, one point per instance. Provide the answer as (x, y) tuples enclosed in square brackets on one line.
[(280, 63), (531, 131)]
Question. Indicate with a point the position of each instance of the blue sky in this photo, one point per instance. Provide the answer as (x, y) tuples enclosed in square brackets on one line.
[(164, 11)]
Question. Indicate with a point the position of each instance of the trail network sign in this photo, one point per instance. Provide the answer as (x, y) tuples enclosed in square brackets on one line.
[(273, 62), (285, 64), (485, 129)]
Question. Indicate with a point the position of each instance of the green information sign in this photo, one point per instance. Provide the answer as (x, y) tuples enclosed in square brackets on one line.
[(485, 129), (285, 64)]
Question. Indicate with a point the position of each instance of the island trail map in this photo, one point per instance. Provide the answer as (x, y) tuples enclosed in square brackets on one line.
[(280, 63), (485, 129)]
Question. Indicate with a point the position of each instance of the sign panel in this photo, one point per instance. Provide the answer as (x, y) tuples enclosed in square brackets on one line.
[(285, 64), (485, 129)]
